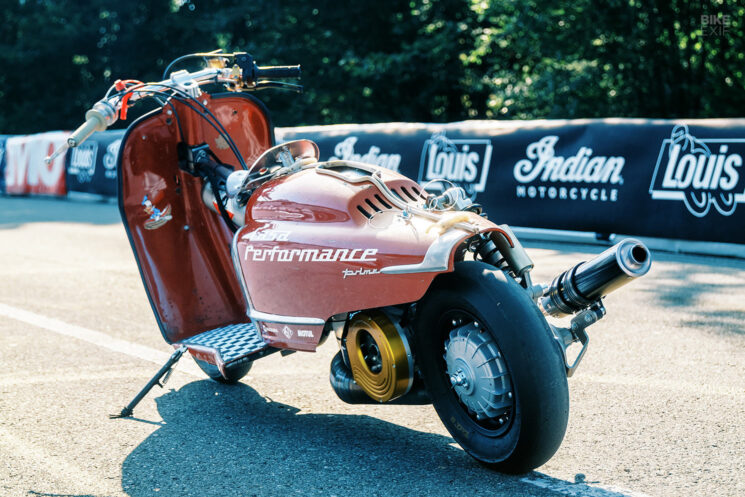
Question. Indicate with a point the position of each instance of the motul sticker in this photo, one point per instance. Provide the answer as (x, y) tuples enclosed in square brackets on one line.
[(701, 173)]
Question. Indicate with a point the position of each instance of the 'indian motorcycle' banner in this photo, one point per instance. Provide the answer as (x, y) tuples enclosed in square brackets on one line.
[(670, 179)]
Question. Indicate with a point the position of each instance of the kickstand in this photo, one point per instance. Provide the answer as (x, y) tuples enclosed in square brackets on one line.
[(163, 373)]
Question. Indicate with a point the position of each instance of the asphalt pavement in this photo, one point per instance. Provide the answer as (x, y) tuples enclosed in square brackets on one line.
[(657, 406)]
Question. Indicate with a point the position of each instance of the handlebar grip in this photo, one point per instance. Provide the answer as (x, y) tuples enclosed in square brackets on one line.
[(94, 123), (278, 72)]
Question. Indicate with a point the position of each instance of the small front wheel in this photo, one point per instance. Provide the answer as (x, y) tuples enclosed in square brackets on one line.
[(234, 371), (494, 372)]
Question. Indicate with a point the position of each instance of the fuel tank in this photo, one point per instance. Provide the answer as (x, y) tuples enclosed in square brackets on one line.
[(336, 238)]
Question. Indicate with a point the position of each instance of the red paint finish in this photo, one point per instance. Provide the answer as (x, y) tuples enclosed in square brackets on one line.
[(307, 251), (185, 261)]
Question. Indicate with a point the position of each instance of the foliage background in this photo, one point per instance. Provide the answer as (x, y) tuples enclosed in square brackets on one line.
[(376, 61)]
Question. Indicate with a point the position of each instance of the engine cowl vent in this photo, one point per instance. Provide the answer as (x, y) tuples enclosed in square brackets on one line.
[(408, 194), (377, 203), (373, 205)]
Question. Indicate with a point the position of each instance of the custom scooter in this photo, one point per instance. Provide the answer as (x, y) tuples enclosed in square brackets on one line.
[(247, 248)]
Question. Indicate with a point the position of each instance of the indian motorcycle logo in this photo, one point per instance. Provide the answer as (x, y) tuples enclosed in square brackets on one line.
[(464, 163), (701, 173), (582, 176), (344, 150)]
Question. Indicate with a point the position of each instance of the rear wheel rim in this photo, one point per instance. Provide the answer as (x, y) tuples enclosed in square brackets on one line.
[(471, 357)]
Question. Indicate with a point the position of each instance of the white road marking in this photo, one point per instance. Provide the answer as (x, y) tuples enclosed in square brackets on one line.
[(24, 379), (579, 489), (69, 475), (160, 357), (97, 338)]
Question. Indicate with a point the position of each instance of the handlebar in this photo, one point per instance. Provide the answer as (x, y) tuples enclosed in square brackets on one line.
[(270, 72), (85, 130), (98, 118), (247, 75)]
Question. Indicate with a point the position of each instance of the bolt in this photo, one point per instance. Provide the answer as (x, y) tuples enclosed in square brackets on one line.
[(459, 379)]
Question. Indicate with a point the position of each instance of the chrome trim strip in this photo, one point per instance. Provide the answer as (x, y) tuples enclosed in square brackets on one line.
[(258, 315), (276, 318), (437, 257)]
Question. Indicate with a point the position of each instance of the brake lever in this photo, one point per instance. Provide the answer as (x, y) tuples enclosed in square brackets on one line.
[(279, 85)]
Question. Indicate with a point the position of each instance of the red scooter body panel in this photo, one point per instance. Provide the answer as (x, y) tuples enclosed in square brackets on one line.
[(308, 252), (181, 247)]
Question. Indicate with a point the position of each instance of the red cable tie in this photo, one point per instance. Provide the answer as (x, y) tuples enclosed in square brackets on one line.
[(123, 108)]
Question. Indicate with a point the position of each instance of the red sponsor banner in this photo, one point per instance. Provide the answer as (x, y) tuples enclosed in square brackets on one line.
[(26, 172)]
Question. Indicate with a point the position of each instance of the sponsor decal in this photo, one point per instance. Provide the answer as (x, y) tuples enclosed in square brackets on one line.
[(267, 236), (344, 150), (287, 331), (464, 163), (157, 217), (582, 176), (109, 159), (269, 329), (25, 169), (309, 255), (701, 173), (359, 272), (83, 161)]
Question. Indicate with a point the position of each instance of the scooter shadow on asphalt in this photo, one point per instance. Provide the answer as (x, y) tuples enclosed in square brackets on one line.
[(220, 440)]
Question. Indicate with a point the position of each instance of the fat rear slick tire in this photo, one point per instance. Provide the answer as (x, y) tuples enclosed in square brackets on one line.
[(540, 409), (234, 371)]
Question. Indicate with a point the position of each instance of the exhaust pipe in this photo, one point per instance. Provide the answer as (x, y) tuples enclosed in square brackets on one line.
[(350, 392), (587, 282)]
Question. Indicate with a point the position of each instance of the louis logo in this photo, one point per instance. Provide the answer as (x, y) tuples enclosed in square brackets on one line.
[(700, 172), (462, 162)]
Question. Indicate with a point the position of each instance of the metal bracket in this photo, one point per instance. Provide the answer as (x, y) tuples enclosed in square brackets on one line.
[(577, 332)]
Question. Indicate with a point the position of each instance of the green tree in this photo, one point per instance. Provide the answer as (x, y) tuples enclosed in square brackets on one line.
[(372, 61)]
